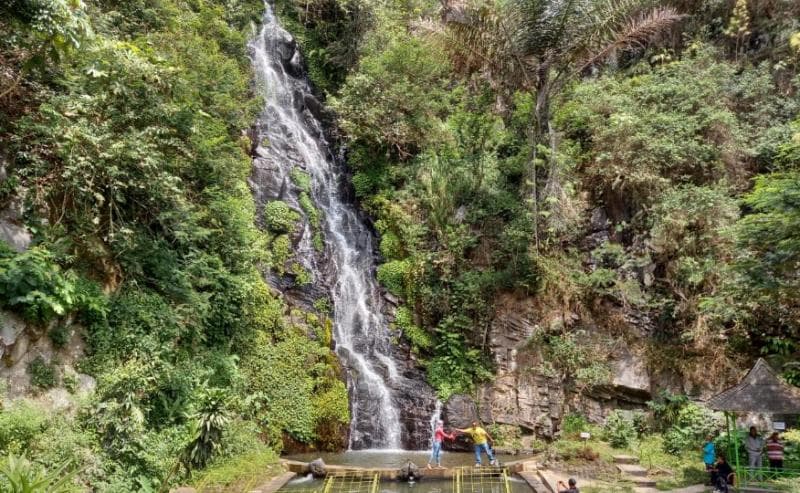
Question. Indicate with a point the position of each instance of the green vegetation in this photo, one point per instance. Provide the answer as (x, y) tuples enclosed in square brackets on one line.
[(243, 473), (279, 217), (43, 374), (121, 129), (667, 442), (627, 170), (489, 146), (19, 475)]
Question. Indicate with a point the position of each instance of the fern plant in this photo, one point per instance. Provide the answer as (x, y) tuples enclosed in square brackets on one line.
[(19, 475)]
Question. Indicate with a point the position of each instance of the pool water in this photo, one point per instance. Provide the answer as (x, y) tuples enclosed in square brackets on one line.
[(396, 458), (308, 484)]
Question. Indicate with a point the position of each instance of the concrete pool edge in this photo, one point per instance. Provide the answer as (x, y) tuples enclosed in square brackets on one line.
[(392, 473), (274, 484)]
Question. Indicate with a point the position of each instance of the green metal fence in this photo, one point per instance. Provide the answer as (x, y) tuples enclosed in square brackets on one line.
[(481, 480), (352, 482), (768, 478)]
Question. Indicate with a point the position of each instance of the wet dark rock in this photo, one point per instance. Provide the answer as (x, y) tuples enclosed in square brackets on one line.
[(599, 220), (285, 47), (295, 64), (313, 105), (317, 468), (391, 299), (460, 411), (409, 472)]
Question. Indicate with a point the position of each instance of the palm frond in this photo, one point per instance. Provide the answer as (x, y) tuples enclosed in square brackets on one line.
[(635, 31), (538, 26), (479, 39)]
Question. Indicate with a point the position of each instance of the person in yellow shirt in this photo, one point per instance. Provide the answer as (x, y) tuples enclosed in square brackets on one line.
[(481, 439)]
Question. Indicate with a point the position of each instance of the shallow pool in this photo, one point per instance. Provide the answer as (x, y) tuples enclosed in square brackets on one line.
[(395, 458), (423, 486)]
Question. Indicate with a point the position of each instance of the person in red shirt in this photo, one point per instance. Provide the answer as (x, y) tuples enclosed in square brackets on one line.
[(774, 451), (439, 435)]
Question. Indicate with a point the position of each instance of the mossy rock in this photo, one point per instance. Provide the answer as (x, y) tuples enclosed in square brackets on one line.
[(279, 217)]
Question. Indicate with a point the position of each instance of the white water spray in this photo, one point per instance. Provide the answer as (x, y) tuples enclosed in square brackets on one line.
[(291, 136)]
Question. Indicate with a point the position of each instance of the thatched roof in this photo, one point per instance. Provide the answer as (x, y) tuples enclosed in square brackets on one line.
[(761, 391)]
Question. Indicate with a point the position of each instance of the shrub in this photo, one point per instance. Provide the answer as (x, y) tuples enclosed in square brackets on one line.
[(457, 365), (394, 98), (283, 379), (43, 374), (391, 247), (331, 415), (573, 424), (418, 337), (308, 207), (20, 424), (506, 436), (19, 475), (279, 217), (693, 424), (791, 440), (281, 251), (302, 277), (59, 335), (32, 284), (619, 429), (301, 179), (392, 275), (666, 408), (140, 322)]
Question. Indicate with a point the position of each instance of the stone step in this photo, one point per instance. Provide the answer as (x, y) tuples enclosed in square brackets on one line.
[(641, 482), (632, 469), (625, 459), (550, 480), (532, 478)]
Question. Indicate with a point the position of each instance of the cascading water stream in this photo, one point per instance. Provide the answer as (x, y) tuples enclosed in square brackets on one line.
[(290, 136)]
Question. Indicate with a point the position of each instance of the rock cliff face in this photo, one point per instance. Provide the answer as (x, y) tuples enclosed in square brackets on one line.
[(22, 343), (522, 395)]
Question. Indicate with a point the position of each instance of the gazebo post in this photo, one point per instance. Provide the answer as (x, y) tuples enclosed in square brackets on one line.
[(730, 422)]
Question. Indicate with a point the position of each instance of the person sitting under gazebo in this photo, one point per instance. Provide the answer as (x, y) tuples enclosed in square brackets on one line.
[(722, 475)]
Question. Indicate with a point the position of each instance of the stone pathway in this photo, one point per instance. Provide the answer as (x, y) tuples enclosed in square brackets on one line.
[(632, 472)]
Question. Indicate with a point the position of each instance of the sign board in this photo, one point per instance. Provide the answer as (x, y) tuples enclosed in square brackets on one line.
[(778, 425), (585, 435)]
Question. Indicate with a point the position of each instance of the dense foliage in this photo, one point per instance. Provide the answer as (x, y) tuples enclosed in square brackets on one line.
[(602, 169), (122, 136), (627, 169)]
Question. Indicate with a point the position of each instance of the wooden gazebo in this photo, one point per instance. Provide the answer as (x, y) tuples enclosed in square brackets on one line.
[(760, 391)]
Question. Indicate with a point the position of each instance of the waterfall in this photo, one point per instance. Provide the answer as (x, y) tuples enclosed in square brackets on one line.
[(435, 417), (289, 136)]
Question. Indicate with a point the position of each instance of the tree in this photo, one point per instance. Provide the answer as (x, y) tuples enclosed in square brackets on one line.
[(541, 45), (768, 241)]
